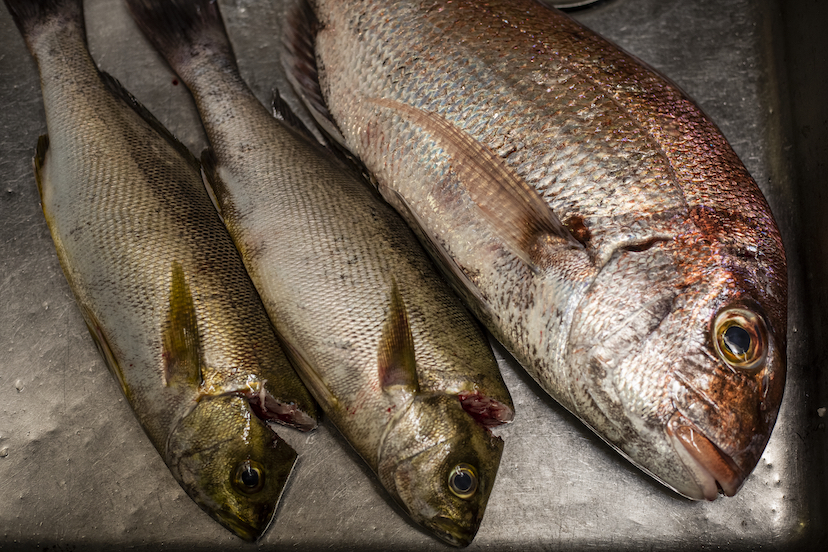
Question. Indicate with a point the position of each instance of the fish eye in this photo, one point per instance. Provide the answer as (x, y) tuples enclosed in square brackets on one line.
[(740, 337), (462, 481), (249, 477)]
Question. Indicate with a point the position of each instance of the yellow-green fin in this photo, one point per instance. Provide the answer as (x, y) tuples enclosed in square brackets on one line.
[(395, 358), (182, 343), (515, 209)]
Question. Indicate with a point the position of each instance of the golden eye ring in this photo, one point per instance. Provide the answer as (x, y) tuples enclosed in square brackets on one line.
[(249, 477), (741, 338), (462, 481)]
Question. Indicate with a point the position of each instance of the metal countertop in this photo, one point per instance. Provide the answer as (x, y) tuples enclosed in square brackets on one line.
[(78, 473)]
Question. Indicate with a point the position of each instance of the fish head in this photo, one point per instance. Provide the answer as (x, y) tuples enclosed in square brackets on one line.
[(679, 358), (230, 463), (440, 466)]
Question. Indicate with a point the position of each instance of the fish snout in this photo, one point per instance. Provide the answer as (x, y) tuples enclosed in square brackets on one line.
[(712, 469)]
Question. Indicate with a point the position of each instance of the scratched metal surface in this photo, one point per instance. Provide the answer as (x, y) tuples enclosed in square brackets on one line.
[(76, 471)]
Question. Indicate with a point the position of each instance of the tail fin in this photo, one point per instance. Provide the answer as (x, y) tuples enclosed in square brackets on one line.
[(29, 15), (182, 29)]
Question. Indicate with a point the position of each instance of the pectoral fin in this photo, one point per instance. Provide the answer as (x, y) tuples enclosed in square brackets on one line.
[(519, 214), (181, 341), (397, 366)]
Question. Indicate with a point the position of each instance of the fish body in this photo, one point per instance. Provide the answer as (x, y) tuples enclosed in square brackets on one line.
[(388, 350), (589, 213), (162, 289)]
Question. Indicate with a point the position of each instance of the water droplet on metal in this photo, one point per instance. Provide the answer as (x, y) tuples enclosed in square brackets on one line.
[(4, 452), (18, 385)]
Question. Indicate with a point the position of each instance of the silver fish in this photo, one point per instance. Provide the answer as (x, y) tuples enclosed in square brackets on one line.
[(588, 212), (402, 369), (162, 289)]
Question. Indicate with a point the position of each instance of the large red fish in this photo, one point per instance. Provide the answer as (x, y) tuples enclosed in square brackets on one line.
[(586, 209)]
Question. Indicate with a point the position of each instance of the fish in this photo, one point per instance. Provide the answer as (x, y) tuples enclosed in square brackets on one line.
[(588, 212), (159, 283), (396, 362)]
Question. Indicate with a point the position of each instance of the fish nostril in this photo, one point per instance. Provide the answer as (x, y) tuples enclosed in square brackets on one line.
[(578, 229)]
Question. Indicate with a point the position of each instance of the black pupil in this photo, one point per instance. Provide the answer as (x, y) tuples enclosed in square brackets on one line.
[(737, 340), (462, 481), (250, 477)]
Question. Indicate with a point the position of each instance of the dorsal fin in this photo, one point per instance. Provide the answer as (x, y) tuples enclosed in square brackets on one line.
[(282, 111), (215, 186), (122, 93), (519, 213), (104, 348), (309, 376), (451, 270), (181, 341), (299, 62), (395, 358)]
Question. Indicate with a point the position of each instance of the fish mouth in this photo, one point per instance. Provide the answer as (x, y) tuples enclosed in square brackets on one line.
[(450, 531), (712, 469)]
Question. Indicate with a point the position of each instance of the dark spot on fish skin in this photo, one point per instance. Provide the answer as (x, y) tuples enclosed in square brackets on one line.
[(579, 231), (175, 82)]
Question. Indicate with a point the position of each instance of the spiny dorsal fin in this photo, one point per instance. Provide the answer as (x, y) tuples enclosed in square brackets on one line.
[(282, 111), (182, 343), (119, 91), (397, 365), (451, 270), (514, 208)]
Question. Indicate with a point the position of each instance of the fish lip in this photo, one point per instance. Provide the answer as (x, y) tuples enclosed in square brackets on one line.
[(450, 531), (710, 466)]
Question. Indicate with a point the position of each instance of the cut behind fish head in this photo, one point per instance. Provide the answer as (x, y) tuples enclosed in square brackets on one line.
[(440, 465), (231, 464), (683, 372)]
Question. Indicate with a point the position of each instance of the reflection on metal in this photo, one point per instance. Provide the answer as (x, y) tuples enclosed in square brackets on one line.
[(72, 453)]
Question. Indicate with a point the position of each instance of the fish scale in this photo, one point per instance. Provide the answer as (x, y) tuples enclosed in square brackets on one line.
[(161, 288), (399, 365), (611, 192)]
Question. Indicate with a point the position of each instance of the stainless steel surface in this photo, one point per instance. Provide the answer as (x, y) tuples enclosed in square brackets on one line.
[(77, 472)]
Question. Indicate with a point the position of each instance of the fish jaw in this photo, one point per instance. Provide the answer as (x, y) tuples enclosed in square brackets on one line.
[(711, 468), (431, 439), (231, 464)]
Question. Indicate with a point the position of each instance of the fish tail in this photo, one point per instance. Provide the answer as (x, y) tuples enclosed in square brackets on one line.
[(31, 16), (183, 30)]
